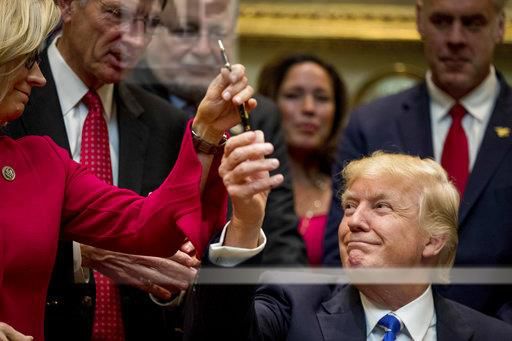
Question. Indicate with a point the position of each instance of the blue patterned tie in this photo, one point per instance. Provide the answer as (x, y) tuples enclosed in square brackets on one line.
[(391, 324)]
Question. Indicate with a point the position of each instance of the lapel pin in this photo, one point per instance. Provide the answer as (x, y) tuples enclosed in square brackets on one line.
[(502, 132), (8, 173)]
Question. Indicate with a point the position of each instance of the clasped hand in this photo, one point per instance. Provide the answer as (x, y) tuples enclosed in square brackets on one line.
[(8, 333), (160, 277)]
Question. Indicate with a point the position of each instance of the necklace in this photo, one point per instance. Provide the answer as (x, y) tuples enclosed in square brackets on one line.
[(313, 208)]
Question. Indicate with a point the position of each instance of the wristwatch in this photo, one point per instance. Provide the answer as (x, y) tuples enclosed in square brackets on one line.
[(204, 147)]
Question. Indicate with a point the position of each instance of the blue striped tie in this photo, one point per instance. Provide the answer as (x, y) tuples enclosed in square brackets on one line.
[(391, 324)]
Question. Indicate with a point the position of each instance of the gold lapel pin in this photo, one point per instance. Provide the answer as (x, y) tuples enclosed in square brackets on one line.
[(8, 173), (502, 132)]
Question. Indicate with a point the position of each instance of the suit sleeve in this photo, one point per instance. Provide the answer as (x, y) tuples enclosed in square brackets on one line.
[(111, 218), (236, 312)]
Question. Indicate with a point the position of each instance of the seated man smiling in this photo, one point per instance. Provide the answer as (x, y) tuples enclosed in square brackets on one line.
[(399, 212)]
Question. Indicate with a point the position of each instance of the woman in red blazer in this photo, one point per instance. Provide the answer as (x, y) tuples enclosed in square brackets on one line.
[(46, 196)]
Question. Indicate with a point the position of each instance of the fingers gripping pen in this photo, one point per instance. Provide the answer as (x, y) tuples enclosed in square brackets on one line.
[(244, 115)]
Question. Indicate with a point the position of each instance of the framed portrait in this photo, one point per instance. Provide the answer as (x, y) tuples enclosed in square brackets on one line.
[(386, 82)]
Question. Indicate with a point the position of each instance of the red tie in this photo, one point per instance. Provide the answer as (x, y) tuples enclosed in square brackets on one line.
[(455, 158), (95, 153)]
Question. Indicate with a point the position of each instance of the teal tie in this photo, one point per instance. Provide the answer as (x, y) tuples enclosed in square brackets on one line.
[(391, 324)]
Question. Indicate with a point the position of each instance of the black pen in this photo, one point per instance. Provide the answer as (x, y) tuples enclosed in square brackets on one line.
[(244, 115)]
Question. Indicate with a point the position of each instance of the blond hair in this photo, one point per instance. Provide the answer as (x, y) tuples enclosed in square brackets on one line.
[(24, 24), (438, 197)]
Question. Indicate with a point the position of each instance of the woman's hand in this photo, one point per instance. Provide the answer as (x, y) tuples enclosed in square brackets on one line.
[(218, 111), (8, 333)]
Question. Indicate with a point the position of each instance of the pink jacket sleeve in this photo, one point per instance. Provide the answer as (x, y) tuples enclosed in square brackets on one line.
[(105, 216)]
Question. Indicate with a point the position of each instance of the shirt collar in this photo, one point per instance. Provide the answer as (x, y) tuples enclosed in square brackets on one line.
[(70, 88), (479, 102), (416, 316)]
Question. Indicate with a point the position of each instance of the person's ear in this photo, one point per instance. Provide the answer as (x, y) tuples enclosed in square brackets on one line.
[(419, 21), (66, 8), (434, 246), (499, 34)]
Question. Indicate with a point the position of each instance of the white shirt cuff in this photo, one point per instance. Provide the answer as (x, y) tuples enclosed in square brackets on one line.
[(229, 256)]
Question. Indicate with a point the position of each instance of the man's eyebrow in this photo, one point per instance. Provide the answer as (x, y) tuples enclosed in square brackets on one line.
[(348, 195), (474, 17)]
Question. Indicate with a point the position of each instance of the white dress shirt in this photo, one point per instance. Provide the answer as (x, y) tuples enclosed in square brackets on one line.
[(418, 318), (70, 91), (479, 104)]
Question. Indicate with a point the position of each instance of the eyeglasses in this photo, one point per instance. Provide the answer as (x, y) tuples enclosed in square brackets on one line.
[(193, 32), (32, 59), (116, 15)]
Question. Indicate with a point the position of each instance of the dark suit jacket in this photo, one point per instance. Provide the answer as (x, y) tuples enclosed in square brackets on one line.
[(315, 312), (401, 123), (150, 134), (284, 244)]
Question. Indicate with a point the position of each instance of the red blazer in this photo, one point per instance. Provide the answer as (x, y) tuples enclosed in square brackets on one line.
[(54, 197)]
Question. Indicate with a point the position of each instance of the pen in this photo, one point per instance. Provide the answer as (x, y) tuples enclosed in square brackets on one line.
[(244, 115)]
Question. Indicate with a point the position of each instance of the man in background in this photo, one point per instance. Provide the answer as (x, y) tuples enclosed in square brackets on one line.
[(182, 59), (462, 117)]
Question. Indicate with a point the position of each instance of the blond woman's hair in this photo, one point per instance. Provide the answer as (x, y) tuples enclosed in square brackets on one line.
[(24, 25), (438, 198)]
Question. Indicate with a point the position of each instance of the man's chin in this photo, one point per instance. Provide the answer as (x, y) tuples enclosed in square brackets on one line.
[(195, 80), (113, 76), (355, 259), (451, 81)]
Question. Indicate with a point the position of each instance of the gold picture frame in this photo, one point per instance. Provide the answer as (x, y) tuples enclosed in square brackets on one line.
[(387, 81), (372, 20)]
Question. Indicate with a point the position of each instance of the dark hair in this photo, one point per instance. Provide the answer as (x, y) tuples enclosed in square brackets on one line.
[(272, 76)]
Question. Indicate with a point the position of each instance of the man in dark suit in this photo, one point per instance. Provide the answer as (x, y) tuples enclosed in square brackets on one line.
[(179, 64), (400, 216), (459, 39), (94, 51)]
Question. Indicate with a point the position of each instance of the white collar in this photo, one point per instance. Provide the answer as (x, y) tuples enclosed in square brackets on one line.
[(70, 88), (416, 316), (479, 102)]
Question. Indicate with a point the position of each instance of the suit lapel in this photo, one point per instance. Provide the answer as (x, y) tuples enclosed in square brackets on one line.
[(43, 115), (343, 316), (414, 123), (450, 325), (133, 139), (492, 150)]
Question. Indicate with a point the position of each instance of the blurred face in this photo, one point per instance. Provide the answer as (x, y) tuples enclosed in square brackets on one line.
[(306, 100), (380, 225), (13, 104), (184, 51), (104, 39), (459, 40)]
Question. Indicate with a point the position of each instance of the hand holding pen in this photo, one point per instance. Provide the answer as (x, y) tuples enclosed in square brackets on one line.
[(219, 109), (244, 115)]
